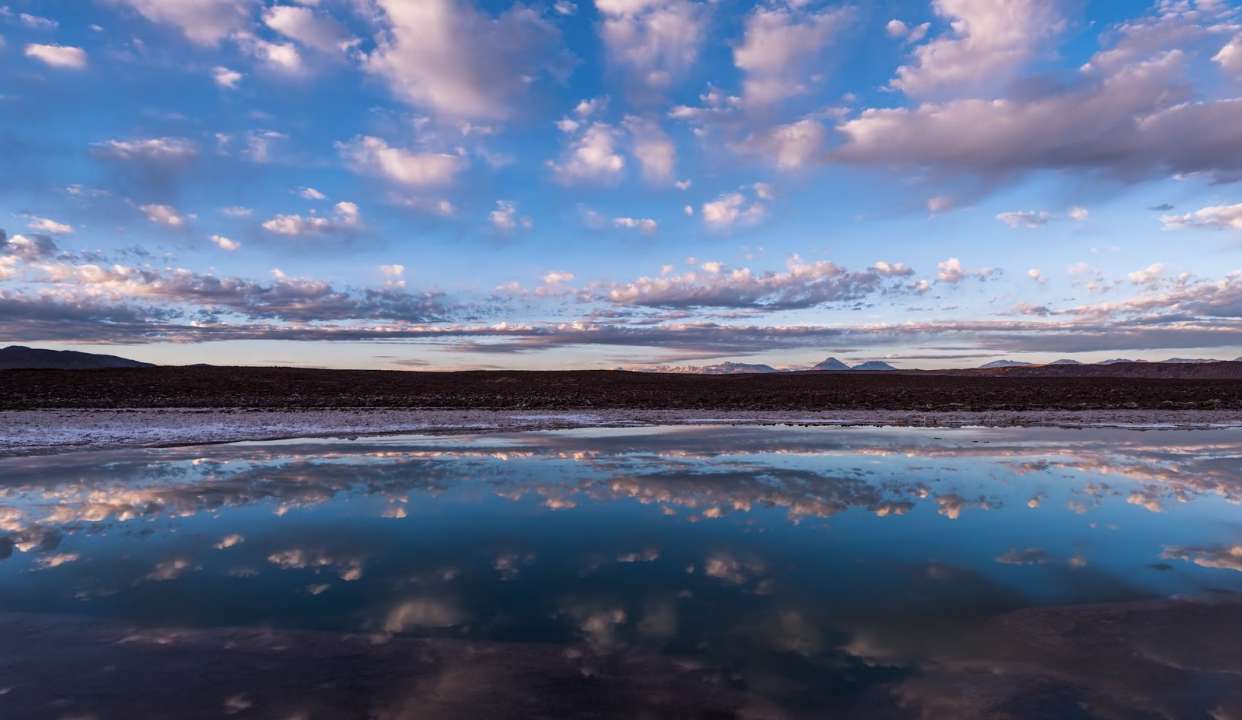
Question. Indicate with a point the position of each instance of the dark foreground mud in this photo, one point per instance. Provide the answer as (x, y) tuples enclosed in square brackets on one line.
[(287, 388)]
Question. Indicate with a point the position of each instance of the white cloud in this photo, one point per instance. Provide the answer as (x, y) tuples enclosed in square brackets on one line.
[(237, 212), (1148, 276), (373, 156), (940, 203), (58, 56), (281, 57), (165, 215), (49, 226), (790, 146), (782, 47), (505, 217), (344, 219), (1079, 213), (205, 22), (1215, 217), (225, 77), (647, 225), (730, 209), (951, 271), (564, 7), (899, 29), (896, 28), (988, 43), (1037, 275), (592, 157), (394, 270), (1230, 57), (1024, 218), (35, 22), (457, 61), (311, 193), (224, 243), (656, 153), (655, 41), (160, 149), (312, 29)]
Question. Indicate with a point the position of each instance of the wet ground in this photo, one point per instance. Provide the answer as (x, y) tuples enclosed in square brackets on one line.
[(691, 571)]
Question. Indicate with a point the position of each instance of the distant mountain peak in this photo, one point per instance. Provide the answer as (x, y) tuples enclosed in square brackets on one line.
[(1065, 361), (874, 366), (1005, 364), (831, 364)]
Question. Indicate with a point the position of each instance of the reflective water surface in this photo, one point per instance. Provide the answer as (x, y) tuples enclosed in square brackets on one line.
[(655, 572)]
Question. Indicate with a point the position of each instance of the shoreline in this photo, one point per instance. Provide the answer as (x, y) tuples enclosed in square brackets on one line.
[(41, 432)]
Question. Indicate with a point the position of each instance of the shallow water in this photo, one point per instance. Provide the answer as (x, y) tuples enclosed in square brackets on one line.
[(679, 572)]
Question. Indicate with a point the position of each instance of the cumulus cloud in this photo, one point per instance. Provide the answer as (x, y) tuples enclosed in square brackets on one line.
[(344, 219), (646, 225), (734, 208), (1134, 122), (226, 78), (1230, 57), (58, 56), (591, 157), (312, 29), (278, 56), (1024, 218), (157, 149), (790, 146), (782, 46), (951, 271), (205, 22), (802, 284), (47, 225), (165, 215), (458, 61), (988, 42), (224, 243), (505, 218), (1148, 276), (655, 41), (1215, 217), (656, 153), (372, 156)]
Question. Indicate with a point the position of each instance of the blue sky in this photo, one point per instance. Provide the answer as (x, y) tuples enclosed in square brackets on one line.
[(604, 183)]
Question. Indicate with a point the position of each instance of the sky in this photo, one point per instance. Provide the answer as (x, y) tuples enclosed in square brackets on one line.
[(460, 184)]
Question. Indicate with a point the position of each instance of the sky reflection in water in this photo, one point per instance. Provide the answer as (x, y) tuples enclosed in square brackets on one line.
[(803, 569)]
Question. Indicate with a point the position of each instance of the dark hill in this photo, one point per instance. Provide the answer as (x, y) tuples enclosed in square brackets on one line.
[(19, 357)]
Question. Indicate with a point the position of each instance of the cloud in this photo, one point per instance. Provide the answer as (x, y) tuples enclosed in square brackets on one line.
[(898, 29), (1024, 218), (989, 43), (1079, 214), (310, 193), (58, 56), (47, 225), (165, 215), (1217, 557), (656, 153), (790, 146), (1037, 275), (592, 157), (205, 22), (506, 219), (372, 156), (1230, 57), (783, 46), (647, 225), (1215, 217), (35, 22), (278, 56), (951, 271), (457, 61), (1148, 276), (157, 149), (801, 285), (344, 219), (225, 77), (27, 247), (309, 28), (730, 209), (1132, 123), (654, 41), (224, 243)]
